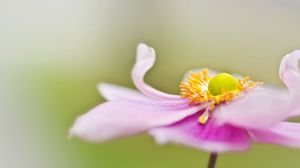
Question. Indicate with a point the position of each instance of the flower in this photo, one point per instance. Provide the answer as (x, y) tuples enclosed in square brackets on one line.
[(216, 112)]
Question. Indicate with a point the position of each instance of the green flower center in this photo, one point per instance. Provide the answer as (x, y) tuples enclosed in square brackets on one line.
[(222, 83)]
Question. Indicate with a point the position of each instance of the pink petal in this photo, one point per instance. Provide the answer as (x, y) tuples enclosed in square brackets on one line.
[(115, 92), (283, 133), (259, 108), (209, 136), (144, 61), (124, 117), (289, 71), (290, 75)]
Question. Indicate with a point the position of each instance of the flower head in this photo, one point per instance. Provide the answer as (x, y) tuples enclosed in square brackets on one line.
[(216, 112)]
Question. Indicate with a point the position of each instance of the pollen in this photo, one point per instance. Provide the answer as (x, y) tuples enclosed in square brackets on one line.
[(202, 88)]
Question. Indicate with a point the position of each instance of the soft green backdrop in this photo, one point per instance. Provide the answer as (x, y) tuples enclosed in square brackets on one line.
[(54, 52)]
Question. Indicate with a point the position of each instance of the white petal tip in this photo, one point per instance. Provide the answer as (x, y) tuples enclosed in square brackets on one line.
[(80, 129), (159, 138), (103, 87), (144, 51), (142, 46), (71, 134)]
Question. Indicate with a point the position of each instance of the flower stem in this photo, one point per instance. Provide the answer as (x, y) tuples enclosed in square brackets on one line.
[(212, 160)]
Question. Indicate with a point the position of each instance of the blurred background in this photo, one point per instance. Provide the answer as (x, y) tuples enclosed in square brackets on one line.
[(54, 52)]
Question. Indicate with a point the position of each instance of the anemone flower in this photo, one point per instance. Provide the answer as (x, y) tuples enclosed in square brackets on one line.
[(216, 112)]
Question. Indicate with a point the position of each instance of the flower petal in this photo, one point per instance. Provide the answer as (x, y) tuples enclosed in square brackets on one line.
[(144, 61), (124, 117), (289, 71), (283, 133), (113, 92), (260, 108), (208, 136), (290, 75)]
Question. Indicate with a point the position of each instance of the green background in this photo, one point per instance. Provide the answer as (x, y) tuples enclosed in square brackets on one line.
[(54, 53)]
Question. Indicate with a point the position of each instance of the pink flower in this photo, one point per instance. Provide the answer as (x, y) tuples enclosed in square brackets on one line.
[(215, 112)]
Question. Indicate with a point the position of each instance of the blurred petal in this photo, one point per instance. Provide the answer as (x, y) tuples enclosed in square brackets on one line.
[(144, 61), (283, 133), (289, 71), (208, 136), (124, 117), (260, 108)]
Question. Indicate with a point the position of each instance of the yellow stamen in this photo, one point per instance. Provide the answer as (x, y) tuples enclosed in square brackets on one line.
[(204, 117), (222, 88)]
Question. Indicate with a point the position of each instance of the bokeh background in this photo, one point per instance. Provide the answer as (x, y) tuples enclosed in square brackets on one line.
[(54, 52)]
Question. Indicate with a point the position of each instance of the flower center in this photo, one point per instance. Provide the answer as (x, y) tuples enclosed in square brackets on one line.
[(222, 83), (201, 88)]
